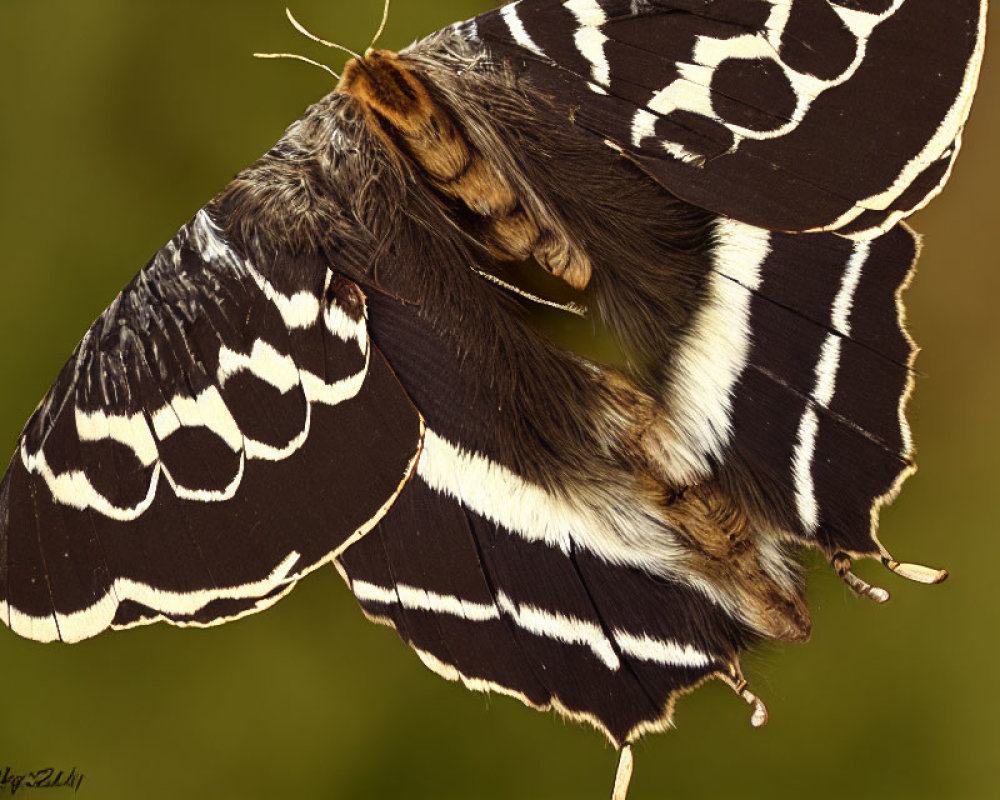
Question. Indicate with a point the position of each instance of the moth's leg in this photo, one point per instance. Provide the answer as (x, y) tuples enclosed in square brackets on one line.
[(918, 573), (913, 572), (739, 684), (841, 562)]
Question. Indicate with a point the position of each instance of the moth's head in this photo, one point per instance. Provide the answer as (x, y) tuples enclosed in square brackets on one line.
[(388, 86)]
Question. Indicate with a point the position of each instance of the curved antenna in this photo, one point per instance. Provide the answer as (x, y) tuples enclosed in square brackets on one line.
[(297, 57), (381, 27), (301, 29)]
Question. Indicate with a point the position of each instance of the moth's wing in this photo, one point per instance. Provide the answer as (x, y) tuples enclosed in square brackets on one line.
[(838, 115), (213, 438), (794, 376), (493, 581)]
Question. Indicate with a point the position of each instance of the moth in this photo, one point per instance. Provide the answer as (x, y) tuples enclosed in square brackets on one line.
[(330, 365)]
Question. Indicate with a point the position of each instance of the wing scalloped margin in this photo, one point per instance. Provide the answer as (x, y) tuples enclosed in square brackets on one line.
[(173, 396)]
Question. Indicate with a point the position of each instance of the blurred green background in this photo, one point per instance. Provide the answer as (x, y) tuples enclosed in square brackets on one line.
[(120, 119)]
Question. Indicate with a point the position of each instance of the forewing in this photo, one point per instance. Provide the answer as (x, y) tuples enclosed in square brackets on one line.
[(212, 440), (790, 115)]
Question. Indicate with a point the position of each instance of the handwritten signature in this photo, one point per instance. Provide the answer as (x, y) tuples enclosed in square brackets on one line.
[(47, 778)]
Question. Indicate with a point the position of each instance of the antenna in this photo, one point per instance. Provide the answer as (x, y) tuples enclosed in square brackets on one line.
[(312, 36), (297, 57), (301, 29), (381, 27)]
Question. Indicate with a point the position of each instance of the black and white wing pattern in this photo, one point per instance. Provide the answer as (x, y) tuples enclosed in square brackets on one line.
[(794, 377), (790, 115), (315, 370), (534, 603), (219, 433), (788, 385)]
